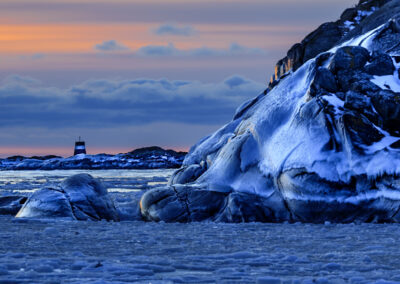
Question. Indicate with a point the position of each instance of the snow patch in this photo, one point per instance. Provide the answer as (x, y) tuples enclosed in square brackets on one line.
[(388, 82)]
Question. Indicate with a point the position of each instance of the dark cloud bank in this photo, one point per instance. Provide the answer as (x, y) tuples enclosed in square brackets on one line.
[(25, 102), (169, 49)]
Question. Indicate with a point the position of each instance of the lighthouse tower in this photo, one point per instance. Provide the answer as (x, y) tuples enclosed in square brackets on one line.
[(79, 147)]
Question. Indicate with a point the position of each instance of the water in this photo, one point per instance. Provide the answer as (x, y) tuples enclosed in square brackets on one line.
[(25, 182), (54, 251)]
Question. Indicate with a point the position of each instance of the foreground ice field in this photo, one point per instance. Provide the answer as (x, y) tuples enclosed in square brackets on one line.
[(101, 252), (54, 251)]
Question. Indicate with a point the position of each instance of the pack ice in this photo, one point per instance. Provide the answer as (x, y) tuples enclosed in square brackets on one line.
[(322, 143)]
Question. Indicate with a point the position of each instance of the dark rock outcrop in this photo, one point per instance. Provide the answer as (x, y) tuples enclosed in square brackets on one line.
[(365, 16), (381, 64)]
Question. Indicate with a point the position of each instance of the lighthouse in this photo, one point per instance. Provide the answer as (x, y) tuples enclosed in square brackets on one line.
[(79, 147)]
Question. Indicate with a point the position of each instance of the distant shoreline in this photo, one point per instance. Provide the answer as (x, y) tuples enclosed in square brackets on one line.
[(143, 158)]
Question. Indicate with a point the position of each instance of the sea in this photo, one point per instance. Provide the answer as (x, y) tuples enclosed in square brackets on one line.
[(54, 251)]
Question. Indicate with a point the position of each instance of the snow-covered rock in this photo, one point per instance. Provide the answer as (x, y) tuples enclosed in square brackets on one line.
[(322, 144), (79, 197)]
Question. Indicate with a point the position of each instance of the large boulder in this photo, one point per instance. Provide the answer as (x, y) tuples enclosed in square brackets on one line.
[(350, 57), (79, 197)]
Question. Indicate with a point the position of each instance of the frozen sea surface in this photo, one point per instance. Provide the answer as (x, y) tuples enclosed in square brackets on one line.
[(86, 252), (17, 182), (49, 251)]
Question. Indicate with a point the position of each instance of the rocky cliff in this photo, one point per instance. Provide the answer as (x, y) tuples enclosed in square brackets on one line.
[(352, 22), (321, 144)]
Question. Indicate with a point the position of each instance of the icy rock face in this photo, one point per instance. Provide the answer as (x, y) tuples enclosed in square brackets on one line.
[(80, 197), (322, 145)]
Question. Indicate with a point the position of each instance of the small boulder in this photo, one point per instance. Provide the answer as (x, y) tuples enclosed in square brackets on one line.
[(357, 101), (365, 86), (347, 77), (350, 57), (80, 197), (381, 65)]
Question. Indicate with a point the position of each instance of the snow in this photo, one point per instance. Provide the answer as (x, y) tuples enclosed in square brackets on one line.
[(119, 181), (363, 40), (363, 14), (388, 82), (350, 25)]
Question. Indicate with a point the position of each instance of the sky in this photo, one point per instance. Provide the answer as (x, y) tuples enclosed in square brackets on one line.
[(124, 74)]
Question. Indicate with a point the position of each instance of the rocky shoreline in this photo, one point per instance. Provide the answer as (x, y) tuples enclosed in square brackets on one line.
[(142, 158)]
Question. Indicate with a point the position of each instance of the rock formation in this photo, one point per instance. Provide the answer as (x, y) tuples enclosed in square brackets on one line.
[(321, 144)]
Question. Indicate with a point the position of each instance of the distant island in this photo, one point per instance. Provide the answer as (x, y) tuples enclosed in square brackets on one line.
[(143, 158)]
